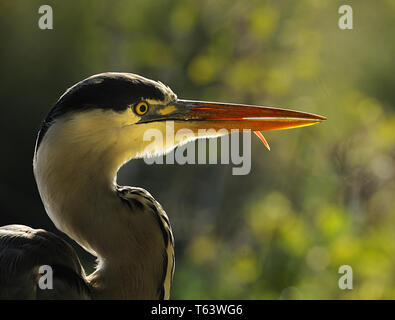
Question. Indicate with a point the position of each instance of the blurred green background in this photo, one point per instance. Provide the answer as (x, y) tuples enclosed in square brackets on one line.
[(323, 197)]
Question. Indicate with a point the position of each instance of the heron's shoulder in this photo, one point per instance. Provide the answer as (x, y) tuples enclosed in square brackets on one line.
[(24, 250), (141, 201), (37, 244), (139, 198)]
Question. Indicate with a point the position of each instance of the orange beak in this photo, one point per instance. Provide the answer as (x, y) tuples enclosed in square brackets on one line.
[(219, 115), (197, 115)]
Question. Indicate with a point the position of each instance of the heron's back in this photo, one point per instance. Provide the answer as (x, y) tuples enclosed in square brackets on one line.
[(23, 251)]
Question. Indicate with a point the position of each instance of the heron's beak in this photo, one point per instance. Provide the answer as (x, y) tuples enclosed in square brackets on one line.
[(217, 115), (197, 115)]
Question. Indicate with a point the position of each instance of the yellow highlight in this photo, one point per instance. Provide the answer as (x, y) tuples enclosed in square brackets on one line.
[(167, 110), (304, 125), (203, 249)]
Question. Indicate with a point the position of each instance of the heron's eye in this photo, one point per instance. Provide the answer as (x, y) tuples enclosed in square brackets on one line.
[(141, 108)]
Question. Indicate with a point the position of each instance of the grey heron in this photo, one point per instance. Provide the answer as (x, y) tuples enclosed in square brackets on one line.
[(92, 130)]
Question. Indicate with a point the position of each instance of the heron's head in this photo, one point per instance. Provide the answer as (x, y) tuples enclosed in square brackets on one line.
[(107, 115)]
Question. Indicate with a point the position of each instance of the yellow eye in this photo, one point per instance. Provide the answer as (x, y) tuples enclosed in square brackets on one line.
[(141, 108)]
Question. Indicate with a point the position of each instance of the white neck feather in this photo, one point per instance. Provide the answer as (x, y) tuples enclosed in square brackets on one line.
[(75, 168)]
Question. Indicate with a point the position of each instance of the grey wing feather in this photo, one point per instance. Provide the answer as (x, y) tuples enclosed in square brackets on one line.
[(140, 200), (23, 251)]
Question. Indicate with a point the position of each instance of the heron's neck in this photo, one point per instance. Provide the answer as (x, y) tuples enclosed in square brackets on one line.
[(75, 167), (77, 186)]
